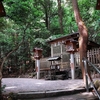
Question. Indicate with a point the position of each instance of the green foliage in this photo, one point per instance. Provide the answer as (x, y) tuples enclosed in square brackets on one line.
[(22, 11), (91, 17), (2, 88), (36, 21)]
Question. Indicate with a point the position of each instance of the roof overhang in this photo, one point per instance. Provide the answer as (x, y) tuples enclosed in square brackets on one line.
[(54, 58), (73, 35)]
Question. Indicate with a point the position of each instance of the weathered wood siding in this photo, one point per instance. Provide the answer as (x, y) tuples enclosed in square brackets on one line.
[(93, 56), (58, 50), (44, 63)]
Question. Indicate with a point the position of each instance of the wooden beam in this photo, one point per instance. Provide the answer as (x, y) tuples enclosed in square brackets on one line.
[(98, 5), (2, 10)]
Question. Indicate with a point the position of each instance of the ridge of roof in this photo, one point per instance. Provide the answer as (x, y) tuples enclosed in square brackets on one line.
[(66, 36)]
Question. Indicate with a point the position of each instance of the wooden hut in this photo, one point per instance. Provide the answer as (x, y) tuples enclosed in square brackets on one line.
[(58, 49)]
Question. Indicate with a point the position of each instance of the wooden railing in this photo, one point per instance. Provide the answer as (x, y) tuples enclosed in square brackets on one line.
[(87, 77)]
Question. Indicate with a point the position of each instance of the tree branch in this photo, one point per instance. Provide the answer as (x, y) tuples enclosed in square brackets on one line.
[(4, 59)]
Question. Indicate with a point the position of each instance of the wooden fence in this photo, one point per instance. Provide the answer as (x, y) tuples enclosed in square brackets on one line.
[(94, 56)]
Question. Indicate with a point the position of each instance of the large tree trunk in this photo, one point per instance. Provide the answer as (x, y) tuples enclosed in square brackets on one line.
[(60, 16), (47, 19), (83, 38)]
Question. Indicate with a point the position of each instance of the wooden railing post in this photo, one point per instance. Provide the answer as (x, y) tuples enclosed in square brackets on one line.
[(86, 75)]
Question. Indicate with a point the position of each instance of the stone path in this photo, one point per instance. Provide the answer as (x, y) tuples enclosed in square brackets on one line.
[(33, 88)]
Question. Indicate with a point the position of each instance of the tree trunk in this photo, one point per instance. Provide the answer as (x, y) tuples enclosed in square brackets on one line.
[(83, 38), (2, 63), (60, 16), (46, 19), (47, 7)]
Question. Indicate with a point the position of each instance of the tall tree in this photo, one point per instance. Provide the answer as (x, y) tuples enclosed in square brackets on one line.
[(46, 4), (46, 7), (60, 14), (83, 38)]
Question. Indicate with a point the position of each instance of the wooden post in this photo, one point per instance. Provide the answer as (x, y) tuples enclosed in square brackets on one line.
[(38, 68), (72, 65), (71, 48), (37, 56)]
